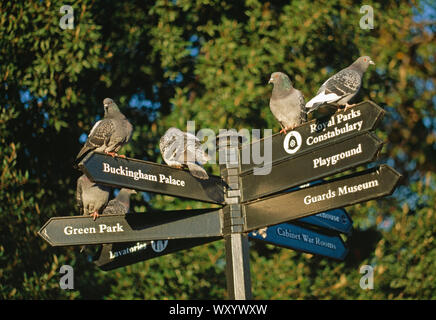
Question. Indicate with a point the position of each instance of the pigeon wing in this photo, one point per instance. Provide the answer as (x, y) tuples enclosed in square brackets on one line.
[(101, 133), (302, 104), (99, 136), (115, 207), (194, 149), (79, 200), (172, 148), (344, 83)]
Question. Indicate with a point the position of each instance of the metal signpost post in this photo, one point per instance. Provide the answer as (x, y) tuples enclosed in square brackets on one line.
[(236, 242), (308, 218)]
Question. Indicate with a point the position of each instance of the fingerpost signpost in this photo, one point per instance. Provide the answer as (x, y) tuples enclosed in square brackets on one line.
[(268, 208)]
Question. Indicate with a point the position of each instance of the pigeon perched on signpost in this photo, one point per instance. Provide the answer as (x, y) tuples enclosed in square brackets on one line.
[(180, 149), (286, 102), (109, 134), (121, 203), (341, 87), (91, 198)]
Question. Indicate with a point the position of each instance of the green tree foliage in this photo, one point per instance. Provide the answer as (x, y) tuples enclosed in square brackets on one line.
[(167, 62)]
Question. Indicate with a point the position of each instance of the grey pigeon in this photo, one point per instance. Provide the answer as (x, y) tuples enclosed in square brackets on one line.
[(341, 87), (180, 149), (91, 198), (286, 102), (120, 204), (109, 134)]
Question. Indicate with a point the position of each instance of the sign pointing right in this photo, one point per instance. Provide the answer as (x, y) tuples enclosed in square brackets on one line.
[(311, 135), (337, 193), (295, 237), (337, 219), (320, 163)]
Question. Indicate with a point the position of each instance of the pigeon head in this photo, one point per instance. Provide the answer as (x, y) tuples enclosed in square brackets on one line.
[(109, 106), (128, 191), (280, 80), (363, 63), (124, 194)]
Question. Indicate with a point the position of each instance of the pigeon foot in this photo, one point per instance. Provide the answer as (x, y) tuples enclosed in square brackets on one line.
[(177, 166), (112, 154), (94, 215), (349, 106)]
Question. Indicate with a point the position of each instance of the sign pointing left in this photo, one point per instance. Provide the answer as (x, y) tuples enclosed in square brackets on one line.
[(151, 177), (79, 230), (116, 255)]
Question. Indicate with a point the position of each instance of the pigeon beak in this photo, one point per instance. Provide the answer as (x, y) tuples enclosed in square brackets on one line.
[(371, 62), (270, 80)]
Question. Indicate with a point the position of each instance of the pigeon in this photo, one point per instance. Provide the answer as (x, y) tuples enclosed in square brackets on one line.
[(342, 86), (109, 134), (120, 204), (91, 198), (180, 149), (286, 102)]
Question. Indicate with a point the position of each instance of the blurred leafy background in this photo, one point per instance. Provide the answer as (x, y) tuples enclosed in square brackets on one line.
[(167, 62)]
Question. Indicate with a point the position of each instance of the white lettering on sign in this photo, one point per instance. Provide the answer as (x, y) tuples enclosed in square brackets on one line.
[(288, 234), (102, 228), (321, 197), (332, 160), (69, 230), (137, 247), (136, 175), (170, 180), (351, 189), (340, 118), (343, 190), (328, 216), (324, 244), (105, 228), (305, 237)]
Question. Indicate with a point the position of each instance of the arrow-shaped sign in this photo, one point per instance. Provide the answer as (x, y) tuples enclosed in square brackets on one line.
[(298, 238), (118, 255), (79, 230), (151, 177), (337, 193), (322, 162), (336, 219), (361, 118)]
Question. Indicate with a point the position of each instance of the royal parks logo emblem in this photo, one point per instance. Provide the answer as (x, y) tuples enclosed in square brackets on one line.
[(292, 142)]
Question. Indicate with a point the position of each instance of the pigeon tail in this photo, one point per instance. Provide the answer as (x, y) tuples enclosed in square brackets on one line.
[(83, 152), (321, 99), (314, 107), (197, 171)]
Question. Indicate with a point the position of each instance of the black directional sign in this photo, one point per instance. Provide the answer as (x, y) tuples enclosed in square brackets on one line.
[(117, 255), (322, 162), (336, 219), (361, 118), (152, 177), (79, 230), (295, 237), (344, 191)]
